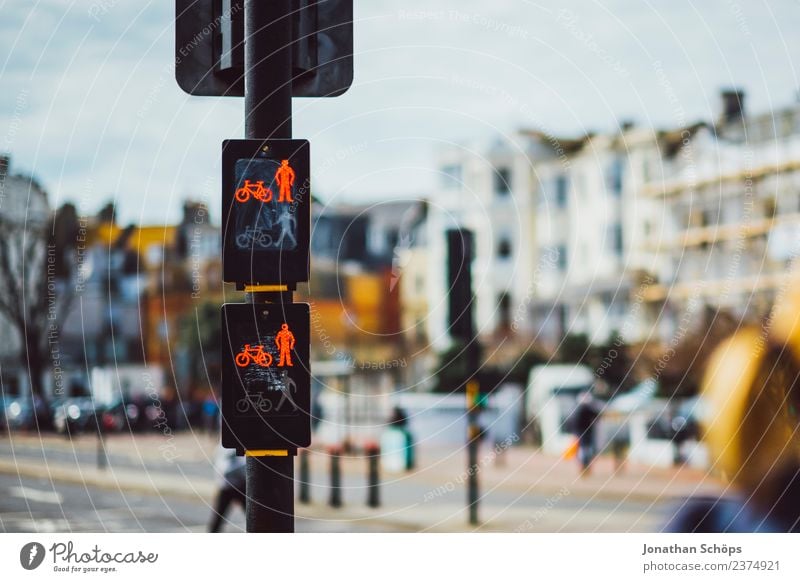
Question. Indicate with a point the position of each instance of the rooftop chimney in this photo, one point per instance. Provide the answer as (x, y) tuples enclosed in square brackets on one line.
[(732, 104)]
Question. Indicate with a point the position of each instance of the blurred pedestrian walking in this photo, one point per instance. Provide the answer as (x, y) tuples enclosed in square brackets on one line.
[(584, 420), (230, 469)]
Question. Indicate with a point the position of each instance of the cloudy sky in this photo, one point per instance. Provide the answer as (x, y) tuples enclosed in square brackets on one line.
[(89, 104)]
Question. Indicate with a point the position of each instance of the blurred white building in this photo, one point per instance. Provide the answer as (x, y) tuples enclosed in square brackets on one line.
[(486, 189), (630, 232), (732, 195), (590, 225)]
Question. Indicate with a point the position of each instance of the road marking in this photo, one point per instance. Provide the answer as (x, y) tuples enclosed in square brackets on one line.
[(36, 495)]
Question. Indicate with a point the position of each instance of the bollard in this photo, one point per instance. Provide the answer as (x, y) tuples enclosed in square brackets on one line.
[(305, 478), (102, 457), (373, 453), (336, 477)]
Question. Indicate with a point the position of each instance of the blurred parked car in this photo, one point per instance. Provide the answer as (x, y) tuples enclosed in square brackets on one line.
[(678, 423), (122, 416), (3, 404), (74, 415), (19, 413)]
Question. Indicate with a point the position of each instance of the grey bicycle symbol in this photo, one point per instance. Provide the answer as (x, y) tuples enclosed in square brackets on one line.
[(259, 403)]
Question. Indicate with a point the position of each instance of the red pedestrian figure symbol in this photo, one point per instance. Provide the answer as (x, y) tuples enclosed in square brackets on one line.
[(284, 339), (284, 176)]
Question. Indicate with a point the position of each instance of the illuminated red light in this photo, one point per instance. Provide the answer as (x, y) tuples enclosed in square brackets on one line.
[(256, 354), (284, 176), (257, 191), (285, 342)]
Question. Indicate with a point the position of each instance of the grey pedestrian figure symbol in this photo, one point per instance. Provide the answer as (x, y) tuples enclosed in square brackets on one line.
[(289, 386), (288, 224)]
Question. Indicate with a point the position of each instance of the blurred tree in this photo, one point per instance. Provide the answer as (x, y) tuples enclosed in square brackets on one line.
[(612, 364), (63, 239), (522, 366), (573, 349), (453, 369), (680, 369), (35, 285), (108, 213)]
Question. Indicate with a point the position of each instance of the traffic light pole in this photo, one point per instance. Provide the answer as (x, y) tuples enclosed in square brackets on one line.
[(268, 114), (473, 438), (473, 433), (268, 69), (460, 252)]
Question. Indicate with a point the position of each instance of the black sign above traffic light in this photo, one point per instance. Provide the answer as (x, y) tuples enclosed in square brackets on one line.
[(209, 47), (266, 379), (266, 211)]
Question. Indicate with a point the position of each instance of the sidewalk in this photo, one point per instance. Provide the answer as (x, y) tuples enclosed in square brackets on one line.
[(522, 489)]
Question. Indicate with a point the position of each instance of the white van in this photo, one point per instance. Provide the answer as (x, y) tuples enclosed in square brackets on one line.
[(550, 399)]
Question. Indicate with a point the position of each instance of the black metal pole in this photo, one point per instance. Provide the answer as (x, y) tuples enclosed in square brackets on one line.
[(473, 433), (268, 69), (472, 462), (373, 453), (305, 477), (270, 494), (268, 114), (336, 478), (102, 458)]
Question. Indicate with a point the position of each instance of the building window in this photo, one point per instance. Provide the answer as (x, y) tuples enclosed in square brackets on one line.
[(504, 311), (616, 239), (452, 177), (615, 176), (709, 217), (539, 194), (504, 249), (561, 191), (562, 257), (502, 181), (770, 208)]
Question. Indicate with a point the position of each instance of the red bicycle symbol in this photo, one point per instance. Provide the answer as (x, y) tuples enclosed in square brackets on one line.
[(257, 191), (256, 355)]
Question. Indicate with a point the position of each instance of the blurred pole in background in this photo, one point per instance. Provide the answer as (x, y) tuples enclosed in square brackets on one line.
[(336, 477), (460, 254), (373, 452), (473, 436), (102, 458), (305, 477)]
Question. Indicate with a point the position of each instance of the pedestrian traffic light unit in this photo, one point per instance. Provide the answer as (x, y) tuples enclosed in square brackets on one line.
[(266, 380), (266, 212), (267, 51)]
